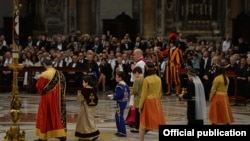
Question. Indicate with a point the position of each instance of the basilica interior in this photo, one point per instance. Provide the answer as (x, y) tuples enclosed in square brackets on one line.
[(199, 19), (195, 19), (174, 112)]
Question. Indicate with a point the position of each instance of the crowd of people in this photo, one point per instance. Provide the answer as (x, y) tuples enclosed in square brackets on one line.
[(112, 63), (105, 54)]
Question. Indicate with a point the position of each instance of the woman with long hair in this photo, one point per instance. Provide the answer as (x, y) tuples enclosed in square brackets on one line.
[(150, 106), (220, 111)]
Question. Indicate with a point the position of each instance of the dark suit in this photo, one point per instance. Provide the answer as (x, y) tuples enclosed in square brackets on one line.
[(208, 83), (126, 46), (44, 43), (82, 61), (139, 45), (92, 69), (76, 76), (247, 87), (204, 68), (97, 47), (191, 109), (63, 46), (125, 69), (163, 45), (29, 44), (182, 45), (231, 87), (6, 76), (3, 49), (101, 46), (61, 63), (241, 84)]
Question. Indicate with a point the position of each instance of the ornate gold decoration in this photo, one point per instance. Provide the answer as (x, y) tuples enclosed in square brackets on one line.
[(14, 133), (184, 91), (92, 97)]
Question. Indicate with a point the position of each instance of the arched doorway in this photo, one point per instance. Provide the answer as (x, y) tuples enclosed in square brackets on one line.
[(121, 25), (241, 27)]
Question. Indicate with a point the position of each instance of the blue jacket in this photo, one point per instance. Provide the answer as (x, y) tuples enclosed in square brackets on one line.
[(122, 92)]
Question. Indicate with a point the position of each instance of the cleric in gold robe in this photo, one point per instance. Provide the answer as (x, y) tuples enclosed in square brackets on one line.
[(51, 115)]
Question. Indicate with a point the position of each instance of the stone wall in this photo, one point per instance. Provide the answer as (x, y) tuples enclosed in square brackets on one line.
[(109, 9), (55, 19), (6, 11)]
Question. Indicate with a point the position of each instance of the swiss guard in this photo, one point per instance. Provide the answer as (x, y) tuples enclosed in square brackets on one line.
[(174, 63)]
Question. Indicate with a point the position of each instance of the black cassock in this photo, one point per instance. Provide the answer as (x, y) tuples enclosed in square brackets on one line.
[(190, 98)]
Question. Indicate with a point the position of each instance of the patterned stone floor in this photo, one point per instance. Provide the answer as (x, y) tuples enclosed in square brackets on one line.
[(174, 110)]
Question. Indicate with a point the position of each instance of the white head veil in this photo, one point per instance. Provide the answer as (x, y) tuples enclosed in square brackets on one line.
[(200, 101)]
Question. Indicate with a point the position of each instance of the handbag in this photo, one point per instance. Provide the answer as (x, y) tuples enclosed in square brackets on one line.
[(130, 120)]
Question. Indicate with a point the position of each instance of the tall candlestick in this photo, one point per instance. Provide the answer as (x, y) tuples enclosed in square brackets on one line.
[(192, 8), (182, 11), (210, 10), (16, 28), (205, 9), (14, 133), (201, 9)]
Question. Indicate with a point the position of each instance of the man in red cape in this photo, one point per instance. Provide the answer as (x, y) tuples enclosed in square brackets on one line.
[(51, 116)]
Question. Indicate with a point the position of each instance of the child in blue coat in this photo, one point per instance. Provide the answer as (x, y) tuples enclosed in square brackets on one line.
[(121, 96)]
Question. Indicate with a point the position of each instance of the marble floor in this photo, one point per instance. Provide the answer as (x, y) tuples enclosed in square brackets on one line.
[(174, 110)]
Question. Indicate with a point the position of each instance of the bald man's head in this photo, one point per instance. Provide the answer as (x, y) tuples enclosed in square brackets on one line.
[(138, 51), (138, 54)]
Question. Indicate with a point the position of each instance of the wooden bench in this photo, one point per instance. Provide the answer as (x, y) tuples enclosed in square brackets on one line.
[(235, 98), (31, 71)]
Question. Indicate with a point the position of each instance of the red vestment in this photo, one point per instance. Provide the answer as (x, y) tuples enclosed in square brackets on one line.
[(51, 116)]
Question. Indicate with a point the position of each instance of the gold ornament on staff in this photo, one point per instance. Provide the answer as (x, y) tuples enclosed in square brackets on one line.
[(184, 91), (14, 133)]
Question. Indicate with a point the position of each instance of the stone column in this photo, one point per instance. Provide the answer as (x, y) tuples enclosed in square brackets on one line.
[(72, 15), (24, 9), (84, 16), (149, 17), (237, 6), (163, 10)]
